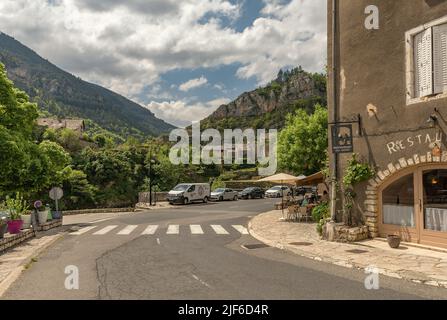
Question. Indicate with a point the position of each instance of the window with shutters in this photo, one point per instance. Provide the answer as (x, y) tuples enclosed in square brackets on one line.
[(427, 62)]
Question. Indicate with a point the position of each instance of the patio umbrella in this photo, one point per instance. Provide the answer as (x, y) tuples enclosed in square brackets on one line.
[(282, 178)]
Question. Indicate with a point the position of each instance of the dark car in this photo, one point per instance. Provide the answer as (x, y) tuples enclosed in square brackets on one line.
[(252, 193)]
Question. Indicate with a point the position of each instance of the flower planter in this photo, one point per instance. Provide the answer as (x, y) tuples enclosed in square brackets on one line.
[(42, 216), (393, 241), (57, 215), (26, 221), (3, 229), (15, 226)]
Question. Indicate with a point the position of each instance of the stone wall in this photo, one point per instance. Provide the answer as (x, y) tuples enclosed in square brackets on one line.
[(11, 240), (346, 234), (143, 197)]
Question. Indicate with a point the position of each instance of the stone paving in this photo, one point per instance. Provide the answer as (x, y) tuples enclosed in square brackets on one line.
[(417, 264)]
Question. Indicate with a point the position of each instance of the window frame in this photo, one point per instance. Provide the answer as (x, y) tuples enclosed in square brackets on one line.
[(410, 63)]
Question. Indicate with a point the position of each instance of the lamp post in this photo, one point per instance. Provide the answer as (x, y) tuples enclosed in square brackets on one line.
[(151, 162)]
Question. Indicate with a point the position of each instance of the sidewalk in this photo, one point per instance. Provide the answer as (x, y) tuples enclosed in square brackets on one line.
[(416, 264), (18, 259)]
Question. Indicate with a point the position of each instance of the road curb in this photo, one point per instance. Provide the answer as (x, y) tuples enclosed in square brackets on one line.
[(338, 262), (15, 274)]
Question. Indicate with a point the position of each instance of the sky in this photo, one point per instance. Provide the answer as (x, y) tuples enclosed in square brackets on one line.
[(181, 59)]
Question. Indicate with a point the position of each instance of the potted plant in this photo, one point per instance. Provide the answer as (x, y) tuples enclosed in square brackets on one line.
[(16, 208), (393, 241), (49, 214), (56, 215), (42, 213), (3, 219), (26, 217)]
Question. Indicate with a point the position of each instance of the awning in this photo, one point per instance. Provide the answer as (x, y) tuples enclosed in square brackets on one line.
[(311, 180)]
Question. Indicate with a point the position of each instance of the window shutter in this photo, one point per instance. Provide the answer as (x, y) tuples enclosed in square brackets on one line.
[(423, 64), (440, 58)]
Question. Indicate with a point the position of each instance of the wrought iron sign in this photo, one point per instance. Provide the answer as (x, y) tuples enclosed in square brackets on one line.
[(342, 136)]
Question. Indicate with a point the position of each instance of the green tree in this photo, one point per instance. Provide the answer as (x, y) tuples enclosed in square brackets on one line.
[(303, 142), (25, 166)]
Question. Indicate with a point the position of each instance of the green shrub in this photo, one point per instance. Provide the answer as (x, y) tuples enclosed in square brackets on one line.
[(321, 213)]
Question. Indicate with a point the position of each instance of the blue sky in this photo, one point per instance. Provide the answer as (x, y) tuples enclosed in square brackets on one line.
[(180, 59)]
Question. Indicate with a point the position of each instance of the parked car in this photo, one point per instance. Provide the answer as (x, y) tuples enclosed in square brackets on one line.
[(278, 191), (222, 194), (251, 193), (189, 192), (301, 191)]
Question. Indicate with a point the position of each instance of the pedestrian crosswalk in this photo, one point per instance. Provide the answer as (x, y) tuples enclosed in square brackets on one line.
[(172, 229)]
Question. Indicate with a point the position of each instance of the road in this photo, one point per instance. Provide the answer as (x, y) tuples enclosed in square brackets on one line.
[(192, 252)]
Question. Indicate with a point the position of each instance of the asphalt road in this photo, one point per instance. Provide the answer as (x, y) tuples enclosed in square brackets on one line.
[(204, 258)]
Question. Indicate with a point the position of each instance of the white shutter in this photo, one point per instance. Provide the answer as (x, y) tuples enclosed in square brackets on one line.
[(423, 60), (440, 58)]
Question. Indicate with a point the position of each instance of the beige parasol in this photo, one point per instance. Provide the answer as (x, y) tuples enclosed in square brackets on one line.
[(282, 178)]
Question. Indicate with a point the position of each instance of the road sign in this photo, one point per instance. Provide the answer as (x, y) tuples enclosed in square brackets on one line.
[(56, 193)]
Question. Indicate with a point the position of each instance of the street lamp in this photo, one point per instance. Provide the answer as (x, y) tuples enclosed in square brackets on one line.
[(151, 162)]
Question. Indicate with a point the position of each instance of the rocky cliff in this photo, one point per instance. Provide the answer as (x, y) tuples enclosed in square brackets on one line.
[(269, 105)]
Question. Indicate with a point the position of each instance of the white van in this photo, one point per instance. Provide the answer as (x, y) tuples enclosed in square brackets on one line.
[(189, 192)]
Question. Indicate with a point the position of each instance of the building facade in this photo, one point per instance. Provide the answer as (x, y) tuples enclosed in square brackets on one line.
[(387, 68)]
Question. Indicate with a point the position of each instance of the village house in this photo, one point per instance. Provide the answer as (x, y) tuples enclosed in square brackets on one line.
[(387, 68), (54, 123)]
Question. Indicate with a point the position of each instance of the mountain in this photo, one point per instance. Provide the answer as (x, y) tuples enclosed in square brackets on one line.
[(268, 107), (63, 95)]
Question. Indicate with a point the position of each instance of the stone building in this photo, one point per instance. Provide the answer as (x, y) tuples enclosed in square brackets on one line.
[(53, 123), (387, 67)]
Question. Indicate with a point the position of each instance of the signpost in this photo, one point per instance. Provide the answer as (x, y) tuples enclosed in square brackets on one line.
[(56, 194), (342, 138)]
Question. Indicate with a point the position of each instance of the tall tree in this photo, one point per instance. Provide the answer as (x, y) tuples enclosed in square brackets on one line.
[(24, 165), (303, 142)]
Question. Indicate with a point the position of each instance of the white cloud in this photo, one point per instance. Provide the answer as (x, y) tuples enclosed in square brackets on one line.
[(193, 83), (126, 46), (182, 113)]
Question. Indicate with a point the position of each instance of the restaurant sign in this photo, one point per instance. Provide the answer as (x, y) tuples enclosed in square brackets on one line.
[(342, 138)]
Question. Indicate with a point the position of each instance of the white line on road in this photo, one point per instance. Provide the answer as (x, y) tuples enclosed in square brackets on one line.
[(196, 229), (219, 229), (82, 231), (101, 220), (173, 229), (105, 230), (158, 241), (241, 229), (150, 230), (201, 281), (127, 230)]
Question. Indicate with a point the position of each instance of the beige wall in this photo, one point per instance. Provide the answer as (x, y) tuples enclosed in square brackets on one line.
[(372, 72)]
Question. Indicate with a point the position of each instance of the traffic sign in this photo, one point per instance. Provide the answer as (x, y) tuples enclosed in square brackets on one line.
[(56, 193)]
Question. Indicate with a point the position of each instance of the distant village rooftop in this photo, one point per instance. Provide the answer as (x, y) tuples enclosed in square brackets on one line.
[(54, 123)]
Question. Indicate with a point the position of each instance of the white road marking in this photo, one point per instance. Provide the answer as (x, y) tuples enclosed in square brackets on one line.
[(127, 230), (219, 229), (201, 281), (101, 220), (82, 231), (241, 229), (173, 229), (196, 229), (158, 241), (105, 230), (150, 230)]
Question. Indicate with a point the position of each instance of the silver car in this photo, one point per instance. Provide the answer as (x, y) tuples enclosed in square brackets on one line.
[(222, 194)]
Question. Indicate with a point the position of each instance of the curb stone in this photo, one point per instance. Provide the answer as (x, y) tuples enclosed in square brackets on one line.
[(342, 263)]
